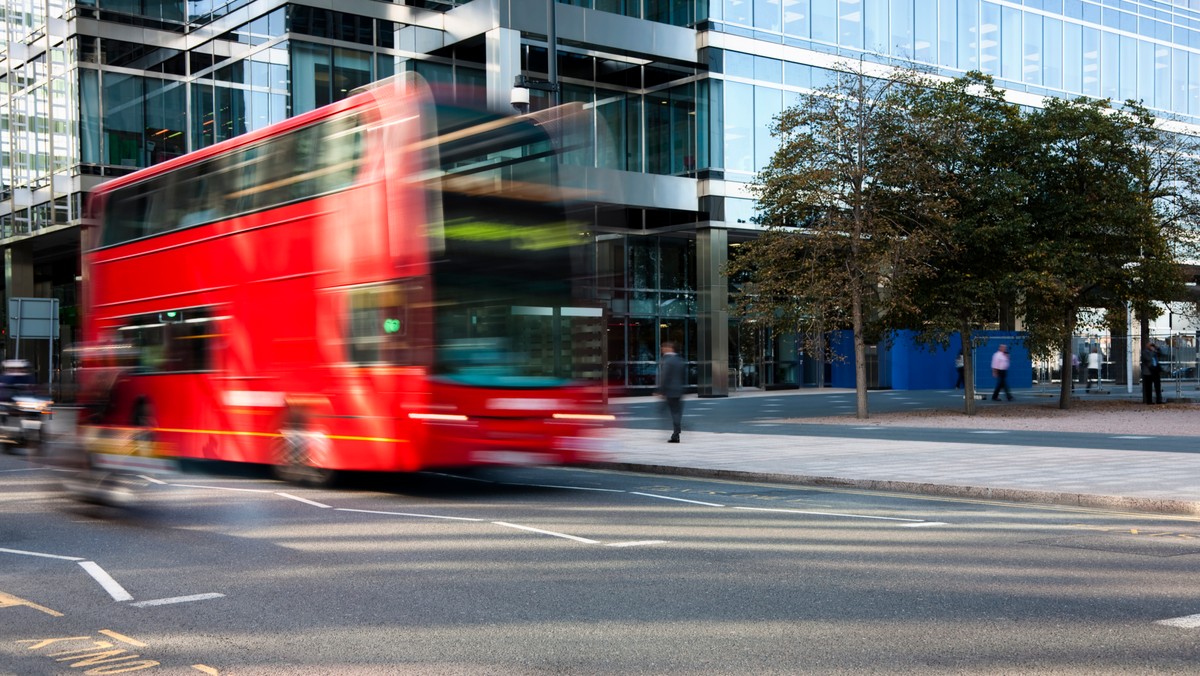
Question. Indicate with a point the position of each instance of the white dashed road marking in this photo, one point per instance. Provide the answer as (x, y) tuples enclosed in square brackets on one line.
[(1185, 622)]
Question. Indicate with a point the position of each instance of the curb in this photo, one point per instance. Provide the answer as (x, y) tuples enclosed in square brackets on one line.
[(1018, 495)]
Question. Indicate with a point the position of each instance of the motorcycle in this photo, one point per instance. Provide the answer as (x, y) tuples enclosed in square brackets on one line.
[(23, 420)]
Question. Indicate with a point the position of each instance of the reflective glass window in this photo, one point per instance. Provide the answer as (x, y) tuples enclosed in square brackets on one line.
[(796, 18), (1193, 107), (1145, 72), (850, 23), (947, 31), (824, 25), (1110, 66), (738, 11), (969, 30), (902, 28), (1179, 80), (768, 15), (1031, 49), (1010, 44), (1128, 67), (925, 31), (739, 127), (875, 25), (1091, 13), (1091, 63), (767, 104), (797, 74), (1162, 76), (989, 39), (1052, 53), (1072, 50), (768, 70), (738, 64)]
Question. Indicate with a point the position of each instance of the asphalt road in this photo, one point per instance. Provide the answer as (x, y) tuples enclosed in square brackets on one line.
[(540, 571)]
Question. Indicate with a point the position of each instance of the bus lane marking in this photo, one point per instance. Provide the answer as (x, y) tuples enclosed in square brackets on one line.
[(667, 497), (177, 599), (837, 514), (45, 556), (306, 501), (547, 532), (106, 581), (1185, 622), (99, 657), (10, 601), (419, 516)]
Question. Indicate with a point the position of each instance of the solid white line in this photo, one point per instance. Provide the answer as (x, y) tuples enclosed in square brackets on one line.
[(924, 523), (1132, 437), (664, 497), (459, 476), (224, 488), (44, 556), (1185, 622), (422, 516), (635, 544), (547, 532), (177, 599), (848, 516), (23, 469), (289, 496), (572, 488), (110, 585), (152, 480)]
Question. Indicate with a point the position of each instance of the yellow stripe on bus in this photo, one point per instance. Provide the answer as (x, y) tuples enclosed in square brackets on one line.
[(276, 435)]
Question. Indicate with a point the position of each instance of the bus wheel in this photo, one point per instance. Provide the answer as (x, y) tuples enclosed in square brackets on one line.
[(295, 451)]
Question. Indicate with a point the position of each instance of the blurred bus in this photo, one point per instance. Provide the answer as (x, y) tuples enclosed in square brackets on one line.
[(387, 283)]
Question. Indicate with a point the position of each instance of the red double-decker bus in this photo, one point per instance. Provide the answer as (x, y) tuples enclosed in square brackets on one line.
[(387, 283)]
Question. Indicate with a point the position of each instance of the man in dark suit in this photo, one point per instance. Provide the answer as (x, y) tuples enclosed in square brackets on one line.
[(672, 374), (1151, 374)]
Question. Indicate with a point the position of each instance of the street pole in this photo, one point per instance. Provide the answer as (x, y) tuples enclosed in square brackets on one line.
[(552, 49)]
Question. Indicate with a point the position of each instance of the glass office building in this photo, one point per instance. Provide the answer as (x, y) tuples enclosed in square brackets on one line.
[(679, 93)]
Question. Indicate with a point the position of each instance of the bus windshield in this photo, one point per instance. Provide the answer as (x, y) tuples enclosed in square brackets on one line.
[(505, 275)]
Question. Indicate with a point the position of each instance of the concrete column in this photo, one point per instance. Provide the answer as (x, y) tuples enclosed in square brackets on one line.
[(503, 46), (712, 251), (18, 278)]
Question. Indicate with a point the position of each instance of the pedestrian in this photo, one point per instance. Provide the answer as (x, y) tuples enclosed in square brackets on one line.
[(671, 375), (958, 366), (1074, 370), (1000, 363), (1151, 363), (1093, 368)]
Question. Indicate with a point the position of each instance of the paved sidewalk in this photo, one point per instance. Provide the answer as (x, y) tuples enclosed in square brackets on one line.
[(1150, 481)]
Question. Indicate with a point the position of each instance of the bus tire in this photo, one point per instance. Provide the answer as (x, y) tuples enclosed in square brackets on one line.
[(294, 450)]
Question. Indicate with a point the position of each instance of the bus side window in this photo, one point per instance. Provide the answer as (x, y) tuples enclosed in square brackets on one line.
[(377, 329), (127, 214)]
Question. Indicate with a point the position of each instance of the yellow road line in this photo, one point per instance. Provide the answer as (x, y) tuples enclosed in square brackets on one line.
[(10, 601), (122, 638), (206, 669)]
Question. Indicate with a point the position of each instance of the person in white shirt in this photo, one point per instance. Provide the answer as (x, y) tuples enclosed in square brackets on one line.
[(1093, 372), (1000, 364)]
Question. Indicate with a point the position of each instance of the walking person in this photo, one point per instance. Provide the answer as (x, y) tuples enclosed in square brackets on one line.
[(1093, 368), (672, 373), (958, 366), (1151, 363), (1000, 363)]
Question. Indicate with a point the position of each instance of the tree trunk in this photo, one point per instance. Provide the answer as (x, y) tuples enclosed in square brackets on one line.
[(1068, 349), (964, 332), (860, 354)]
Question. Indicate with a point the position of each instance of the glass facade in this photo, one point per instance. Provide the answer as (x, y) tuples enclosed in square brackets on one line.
[(1124, 50)]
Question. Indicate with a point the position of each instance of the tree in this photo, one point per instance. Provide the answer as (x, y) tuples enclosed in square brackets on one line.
[(838, 238), (967, 135), (1094, 237)]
